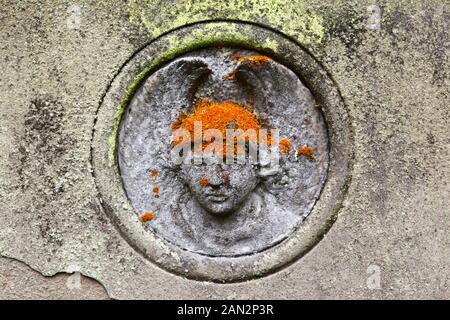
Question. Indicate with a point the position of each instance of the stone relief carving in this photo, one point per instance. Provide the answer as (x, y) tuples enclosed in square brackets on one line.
[(223, 209)]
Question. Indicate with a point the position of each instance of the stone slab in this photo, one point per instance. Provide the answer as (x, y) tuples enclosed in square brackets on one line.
[(391, 236)]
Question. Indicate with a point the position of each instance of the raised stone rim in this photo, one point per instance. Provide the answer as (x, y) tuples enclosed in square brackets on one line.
[(201, 267)]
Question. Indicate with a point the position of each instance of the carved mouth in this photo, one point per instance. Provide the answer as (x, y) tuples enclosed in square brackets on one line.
[(217, 197)]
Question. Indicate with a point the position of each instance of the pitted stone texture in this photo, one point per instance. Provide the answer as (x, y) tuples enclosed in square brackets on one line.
[(394, 81), (266, 201), (19, 281)]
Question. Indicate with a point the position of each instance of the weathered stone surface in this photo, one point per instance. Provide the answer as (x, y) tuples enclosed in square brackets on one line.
[(18, 281), (393, 225)]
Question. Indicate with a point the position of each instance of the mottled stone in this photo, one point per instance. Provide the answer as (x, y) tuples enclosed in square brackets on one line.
[(388, 237)]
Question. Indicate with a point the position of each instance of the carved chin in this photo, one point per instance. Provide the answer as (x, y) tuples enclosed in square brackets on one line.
[(219, 208)]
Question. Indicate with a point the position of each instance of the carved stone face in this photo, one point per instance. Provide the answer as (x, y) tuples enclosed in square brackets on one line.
[(220, 188), (222, 209)]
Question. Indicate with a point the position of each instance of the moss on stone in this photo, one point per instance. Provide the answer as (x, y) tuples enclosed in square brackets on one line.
[(291, 17)]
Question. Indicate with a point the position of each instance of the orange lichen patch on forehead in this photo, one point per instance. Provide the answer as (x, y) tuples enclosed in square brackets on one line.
[(156, 191), (252, 60), (220, 116), (147, 217), (204, 182), (306, 151), (285, 146)]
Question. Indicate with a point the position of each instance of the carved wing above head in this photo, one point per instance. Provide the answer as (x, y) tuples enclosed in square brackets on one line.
[(175, 84), (275, 88)]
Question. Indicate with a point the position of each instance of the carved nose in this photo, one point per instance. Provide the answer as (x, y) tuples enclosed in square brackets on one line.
[(216, 177)]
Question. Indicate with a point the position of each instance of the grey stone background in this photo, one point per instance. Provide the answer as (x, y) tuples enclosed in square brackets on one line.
[(391, 238)]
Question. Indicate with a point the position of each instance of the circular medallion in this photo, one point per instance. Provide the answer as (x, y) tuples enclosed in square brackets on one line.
[(223, 209), (222, 162)]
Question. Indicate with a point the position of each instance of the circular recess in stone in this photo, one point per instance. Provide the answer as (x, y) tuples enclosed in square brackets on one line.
[(222, 222), (245, 207)]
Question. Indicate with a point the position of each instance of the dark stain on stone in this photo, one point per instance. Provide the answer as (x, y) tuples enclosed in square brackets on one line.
[(430, 138), (41, 165), (43, 142)]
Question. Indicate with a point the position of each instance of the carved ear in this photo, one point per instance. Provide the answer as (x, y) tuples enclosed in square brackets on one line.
[(176, 84), (272, 85)]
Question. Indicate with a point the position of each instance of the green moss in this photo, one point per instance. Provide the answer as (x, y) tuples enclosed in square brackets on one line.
[(303, 20), (406, 6), (291, 17)]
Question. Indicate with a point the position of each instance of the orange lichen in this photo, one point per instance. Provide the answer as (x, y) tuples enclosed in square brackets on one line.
[(154, 174), (250, 60), (204, 182), (306, 151), (285, 146), (269, 138), (156, 191), (177, 123), (147, 217), (231, 75), (253, 60), (220, 116)]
